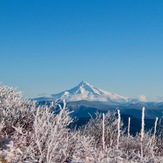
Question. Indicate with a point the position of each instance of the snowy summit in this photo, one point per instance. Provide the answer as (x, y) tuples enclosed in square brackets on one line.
[(85, 91)]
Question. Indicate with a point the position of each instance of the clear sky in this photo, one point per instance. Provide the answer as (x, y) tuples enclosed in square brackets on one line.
[(47, 46)]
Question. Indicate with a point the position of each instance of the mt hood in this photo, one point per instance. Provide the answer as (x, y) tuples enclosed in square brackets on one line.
[(85, 91)]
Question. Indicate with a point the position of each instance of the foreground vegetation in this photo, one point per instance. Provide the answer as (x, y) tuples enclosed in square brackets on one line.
[(39, 134)]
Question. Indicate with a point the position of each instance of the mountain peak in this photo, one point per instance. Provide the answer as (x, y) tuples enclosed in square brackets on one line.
[(84, 83)]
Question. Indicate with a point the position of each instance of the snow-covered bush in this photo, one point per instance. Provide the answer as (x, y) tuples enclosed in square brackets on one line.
[(15, 110), (47, 140), (95, 126)]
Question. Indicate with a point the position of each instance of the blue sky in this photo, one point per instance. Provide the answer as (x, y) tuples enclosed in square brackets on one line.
[(49, 46)]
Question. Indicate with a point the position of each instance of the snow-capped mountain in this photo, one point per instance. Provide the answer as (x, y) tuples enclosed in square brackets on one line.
[(85, 91)]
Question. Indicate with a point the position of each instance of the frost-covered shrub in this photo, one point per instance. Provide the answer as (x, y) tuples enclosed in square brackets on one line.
[(94, 129), (14, 109), (51, 135)]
